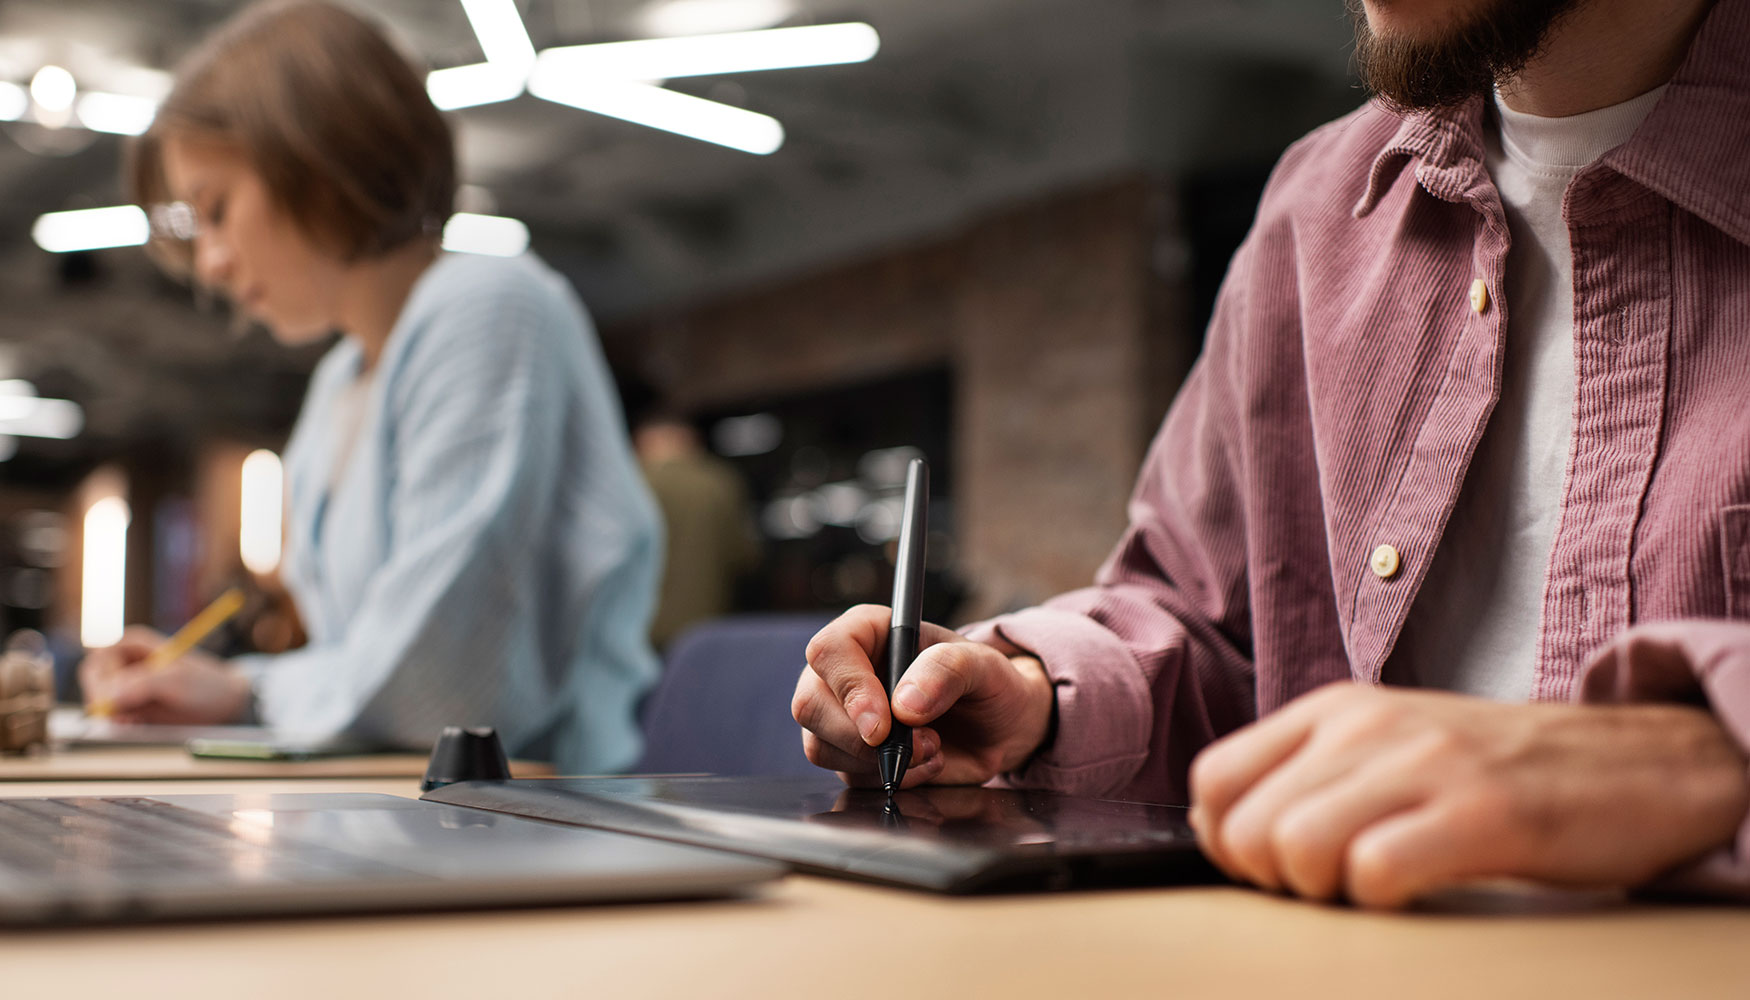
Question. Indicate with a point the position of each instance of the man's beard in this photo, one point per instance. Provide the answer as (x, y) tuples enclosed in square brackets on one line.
[(1467, 60)]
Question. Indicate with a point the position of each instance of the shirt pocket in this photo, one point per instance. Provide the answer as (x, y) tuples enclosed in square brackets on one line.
[(1735, 554)]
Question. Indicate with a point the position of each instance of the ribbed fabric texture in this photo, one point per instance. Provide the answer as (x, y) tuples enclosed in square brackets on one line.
[(1346, 383), (1474, 624), (488, 555)]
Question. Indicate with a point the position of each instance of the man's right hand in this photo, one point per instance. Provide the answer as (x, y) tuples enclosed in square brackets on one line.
[(976, 710)]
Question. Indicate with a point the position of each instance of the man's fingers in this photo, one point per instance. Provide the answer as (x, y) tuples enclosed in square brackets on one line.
[(1229, 767), (941, 676), (1251, 835), (821, 752), (818, 710), (1310, 839), (842, 654), (919, 773), (1444, 843)]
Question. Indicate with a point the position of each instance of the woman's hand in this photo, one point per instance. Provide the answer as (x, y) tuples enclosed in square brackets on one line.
[(195, 689)]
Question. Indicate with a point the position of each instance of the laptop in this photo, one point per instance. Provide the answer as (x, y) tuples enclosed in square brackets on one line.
[(111, 859), (941, 839)]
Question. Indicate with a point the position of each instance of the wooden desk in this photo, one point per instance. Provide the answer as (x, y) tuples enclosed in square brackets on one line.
[(816, 938), (175, 764)]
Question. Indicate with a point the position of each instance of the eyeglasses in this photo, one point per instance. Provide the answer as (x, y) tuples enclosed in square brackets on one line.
[(173, 221), (172, 227)]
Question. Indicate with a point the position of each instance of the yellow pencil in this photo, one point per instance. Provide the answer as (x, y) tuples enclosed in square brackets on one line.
[(185, 639)]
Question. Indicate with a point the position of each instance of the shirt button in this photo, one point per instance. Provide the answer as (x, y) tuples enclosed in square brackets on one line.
[(1384, 562), (1479, 295)]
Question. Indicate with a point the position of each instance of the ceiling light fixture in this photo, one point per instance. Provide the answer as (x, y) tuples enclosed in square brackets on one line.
[(53, 89), (262, 491), (103, 593), (91, 229), (707, 17), (500, 30), (29, 416), (14, 101), (668, 110), (490, 235), (118, 114), (509, 57), (704, 55), (473, 85)]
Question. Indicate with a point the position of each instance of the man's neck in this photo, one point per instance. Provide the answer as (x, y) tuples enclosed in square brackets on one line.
[(1603, 53)]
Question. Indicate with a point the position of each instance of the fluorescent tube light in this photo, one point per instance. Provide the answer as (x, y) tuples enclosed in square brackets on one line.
[(28, 416), (500, 30), (702, 55), (103, 585), (118, 114), (491, 235), (14, 101), (705, 17), (473, 85), (258, 539), (682, 114), (53, 88), (91, 229)]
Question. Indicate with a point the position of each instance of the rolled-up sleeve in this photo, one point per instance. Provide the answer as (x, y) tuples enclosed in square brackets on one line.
[(1689, 661), (1154, 661)]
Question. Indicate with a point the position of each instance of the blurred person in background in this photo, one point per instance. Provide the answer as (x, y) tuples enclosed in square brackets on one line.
[(468, 538), (1470, 419), (712, 541)]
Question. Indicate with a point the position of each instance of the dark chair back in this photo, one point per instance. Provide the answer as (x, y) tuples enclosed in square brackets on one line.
[(723, 704)]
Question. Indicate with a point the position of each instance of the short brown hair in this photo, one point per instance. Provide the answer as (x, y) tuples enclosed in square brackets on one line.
[(335, 120)]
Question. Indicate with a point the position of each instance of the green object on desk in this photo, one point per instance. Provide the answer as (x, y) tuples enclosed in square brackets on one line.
[(234, 749)]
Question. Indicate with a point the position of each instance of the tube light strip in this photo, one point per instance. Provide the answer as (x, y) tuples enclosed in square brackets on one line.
[(263, 490), (707, 17), (509, 57), (472, 85), (118, 114), (28, 416), (702, 55), (91, 229), (14, 101), (103, 586), (491, 235), (668, 110), (500, 30)]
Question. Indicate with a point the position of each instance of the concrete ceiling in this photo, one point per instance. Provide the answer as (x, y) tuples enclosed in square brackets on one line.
[(970, 104)]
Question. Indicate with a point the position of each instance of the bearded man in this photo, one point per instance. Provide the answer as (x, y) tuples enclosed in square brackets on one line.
[(1439, 568)]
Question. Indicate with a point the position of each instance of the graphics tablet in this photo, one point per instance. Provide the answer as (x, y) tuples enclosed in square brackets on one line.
[(944, 839)]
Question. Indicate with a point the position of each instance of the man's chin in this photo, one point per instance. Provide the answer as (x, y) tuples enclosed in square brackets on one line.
[(1414, 64)]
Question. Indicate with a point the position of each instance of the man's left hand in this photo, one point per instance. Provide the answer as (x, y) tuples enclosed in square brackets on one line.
[(1384, 795)]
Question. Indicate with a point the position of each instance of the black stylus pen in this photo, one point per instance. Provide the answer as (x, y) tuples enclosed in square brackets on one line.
[(908, 615)]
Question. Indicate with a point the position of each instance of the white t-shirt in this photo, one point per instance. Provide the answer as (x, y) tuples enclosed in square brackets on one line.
[(1474, 626)]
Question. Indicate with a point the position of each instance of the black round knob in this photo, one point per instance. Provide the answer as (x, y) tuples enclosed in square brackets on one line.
[(465, 753)]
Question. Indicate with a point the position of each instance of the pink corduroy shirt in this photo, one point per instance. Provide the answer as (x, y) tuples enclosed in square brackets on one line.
[(1349, 372)]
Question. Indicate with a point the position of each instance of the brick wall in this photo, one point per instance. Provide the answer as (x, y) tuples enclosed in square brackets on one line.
[(1064, 337)]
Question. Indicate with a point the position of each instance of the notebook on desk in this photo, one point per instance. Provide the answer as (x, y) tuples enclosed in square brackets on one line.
[(107, 859), (70, 726)]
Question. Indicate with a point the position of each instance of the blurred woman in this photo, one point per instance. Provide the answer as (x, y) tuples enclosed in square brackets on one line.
[(468, 540)]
